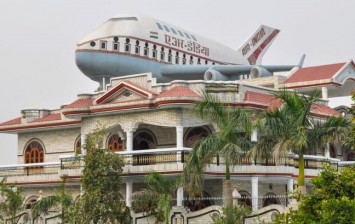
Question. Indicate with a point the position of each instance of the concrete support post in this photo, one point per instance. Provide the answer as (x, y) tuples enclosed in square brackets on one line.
[(289, 189), (129, 141), (83, 139), (254, 193), (324, 93), (129, 187), (179, 143), (327, 151), (180, 196)]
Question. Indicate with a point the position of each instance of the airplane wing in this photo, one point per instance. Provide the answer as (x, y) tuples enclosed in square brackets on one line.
[(220, 72)]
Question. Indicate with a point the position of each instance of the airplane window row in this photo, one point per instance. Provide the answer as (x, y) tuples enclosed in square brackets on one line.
[(154, 52), (183, 34)]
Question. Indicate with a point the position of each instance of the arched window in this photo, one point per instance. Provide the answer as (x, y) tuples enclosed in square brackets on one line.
[(245, 199), (30, 201), (170, 56), (127, 45), (34, 152), (270, 199), (77, 146), (162, 54), (115, 143), (144, 139), (194, 134)]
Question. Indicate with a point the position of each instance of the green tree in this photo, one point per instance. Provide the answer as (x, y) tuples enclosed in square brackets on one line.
[(292, 127), (230, 142), (157, 197), (350, 138), (330, 201), (63, 200), (101, 200), (11, 201), (232, 215)]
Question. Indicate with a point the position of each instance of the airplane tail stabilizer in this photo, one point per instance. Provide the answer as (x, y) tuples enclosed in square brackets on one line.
[(255, 47)]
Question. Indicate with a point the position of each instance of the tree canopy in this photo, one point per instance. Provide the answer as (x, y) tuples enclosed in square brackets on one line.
[(332, 200)]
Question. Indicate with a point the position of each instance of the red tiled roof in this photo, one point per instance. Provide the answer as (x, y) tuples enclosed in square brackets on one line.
[(12, 122), (178, 91), (50, 117), (322, 109), (315, 73), (261, 98), (79, 103)]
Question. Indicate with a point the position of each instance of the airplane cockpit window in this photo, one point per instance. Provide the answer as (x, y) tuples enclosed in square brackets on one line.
[(191, 60), (103, 45), (127, 45), (199, 61), (187, 35), (124, 19), (115, 39), (166, 28), (181, 34), (159, 26), (174, 31), (206, 62), (92, 44), (193, 37)]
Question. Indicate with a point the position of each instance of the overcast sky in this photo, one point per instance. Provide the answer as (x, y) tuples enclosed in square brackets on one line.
[(38, 38)]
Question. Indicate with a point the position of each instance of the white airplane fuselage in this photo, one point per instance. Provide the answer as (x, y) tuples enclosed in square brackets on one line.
[(126, 45)]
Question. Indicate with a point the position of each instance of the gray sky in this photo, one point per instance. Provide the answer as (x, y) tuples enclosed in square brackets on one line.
[(38, 37)]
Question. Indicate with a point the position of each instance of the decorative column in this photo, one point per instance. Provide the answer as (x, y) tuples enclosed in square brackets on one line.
[(327, 151), (324, 93), (254, 136), (289, 190), (129, 141), (179, 143), (129, 187), (83, 139), (254, 193), (180, 196)]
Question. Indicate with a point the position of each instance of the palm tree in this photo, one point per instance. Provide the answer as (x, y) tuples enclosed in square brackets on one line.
[(292, 128), (156, 198), (230, 142), (11, 201), (62, 198)]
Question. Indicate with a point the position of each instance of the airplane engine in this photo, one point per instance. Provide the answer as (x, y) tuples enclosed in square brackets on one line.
[(258, 72), (214, 75)]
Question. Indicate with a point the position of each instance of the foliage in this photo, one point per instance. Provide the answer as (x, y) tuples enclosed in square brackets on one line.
[(11, 201), (293, 128), (330, 201), (63, 198), (156, 198), (230, 142), (350, 138), (101, 200), (232, 215)]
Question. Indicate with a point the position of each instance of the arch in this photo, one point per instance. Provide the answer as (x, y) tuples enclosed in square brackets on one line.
[(245, 200), (34, 151), (30, 201), (114, 143), (144, 139), (199, 202), (194, 134), (77, 145), (270, 199)]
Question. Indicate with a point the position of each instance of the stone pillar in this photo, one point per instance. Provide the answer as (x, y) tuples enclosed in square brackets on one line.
[(327, 151), (129, 141), (324, 93), (254, 136), (83, 139), (180, 196), (254, 193), (290, 189), (129, 187)]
